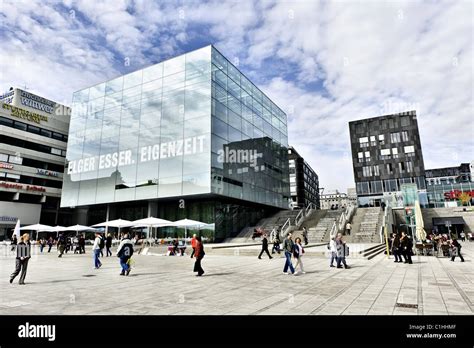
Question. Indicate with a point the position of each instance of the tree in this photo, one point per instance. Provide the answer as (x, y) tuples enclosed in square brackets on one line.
[(464, 198)]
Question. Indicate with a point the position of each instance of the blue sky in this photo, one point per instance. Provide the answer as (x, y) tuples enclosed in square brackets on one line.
[(324, 63)]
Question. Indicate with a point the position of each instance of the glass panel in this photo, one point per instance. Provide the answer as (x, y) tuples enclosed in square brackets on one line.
[(197, 101), (153, 72), (169, 187), (114, 86), (173, 66), (133, 79)]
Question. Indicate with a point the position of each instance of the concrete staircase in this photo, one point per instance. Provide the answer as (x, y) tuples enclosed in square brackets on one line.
[(365, 225), (320, 231), (268, 224)]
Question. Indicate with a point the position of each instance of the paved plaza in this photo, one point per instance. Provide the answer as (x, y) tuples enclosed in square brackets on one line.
[(238, 284)]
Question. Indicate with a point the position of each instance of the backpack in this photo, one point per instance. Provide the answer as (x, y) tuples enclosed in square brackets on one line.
[(127, 251), (101, 243)]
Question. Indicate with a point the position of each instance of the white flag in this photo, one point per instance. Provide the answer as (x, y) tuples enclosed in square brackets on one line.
[(17, 230)]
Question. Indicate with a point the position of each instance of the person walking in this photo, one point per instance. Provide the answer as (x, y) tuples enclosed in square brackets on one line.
[(332, 251), (193, 245), (276, 244), (50, 243), (456, 250), (14, 242), (23, 255), (68, 244), (61, 244), (298, 255), (305, 235), (288, 247), (264, 247), (396, 249), (125, 252), (102, 244), (340, 251), (82, 244), (108, 245), (42, 244), (463, 236), (348, 228), (407, 246), (96, 251), (199, 254)]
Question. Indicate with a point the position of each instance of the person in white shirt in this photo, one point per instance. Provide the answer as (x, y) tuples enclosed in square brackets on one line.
[(348, 228), (96, 251), (332, 250)]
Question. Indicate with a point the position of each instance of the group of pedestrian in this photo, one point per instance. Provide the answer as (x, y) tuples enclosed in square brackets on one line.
[(402, 245), (293, 249), (338, 250)]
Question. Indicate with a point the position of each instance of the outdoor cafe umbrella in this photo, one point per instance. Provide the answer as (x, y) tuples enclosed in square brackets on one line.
[(79, 228), (152, 222), (188, 223), (115, 223), (420, 226), (35, 227)]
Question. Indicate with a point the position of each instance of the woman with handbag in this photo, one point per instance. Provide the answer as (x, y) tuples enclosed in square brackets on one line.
[(298, 255), (199, 255)]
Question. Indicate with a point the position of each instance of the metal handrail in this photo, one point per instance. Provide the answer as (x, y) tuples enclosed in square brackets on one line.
[(297, 221), (284, 229)]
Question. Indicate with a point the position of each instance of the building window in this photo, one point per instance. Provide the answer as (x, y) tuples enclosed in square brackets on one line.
[(3, 157), (376, 170), (395, 137), (385, 154), (367, 156), (367, 171), (15, 159), (409, 149), (389, 168), (401, 167), (409, 166), (56, 151), (372, 140), (405, 121), (381, 139), (360, 156), (364, 142), (404, 136), (395, 152)]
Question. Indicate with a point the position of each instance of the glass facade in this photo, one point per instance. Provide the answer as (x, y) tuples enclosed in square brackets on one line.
[(191, 125)]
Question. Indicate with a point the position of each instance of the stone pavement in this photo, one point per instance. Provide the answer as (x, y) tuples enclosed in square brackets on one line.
[(238, 285)]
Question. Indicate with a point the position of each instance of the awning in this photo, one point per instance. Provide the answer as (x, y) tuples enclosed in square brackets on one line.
[(455, 220)]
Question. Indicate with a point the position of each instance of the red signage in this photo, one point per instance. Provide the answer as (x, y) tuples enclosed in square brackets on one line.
[(13, 185), (456, 193), (6, 165)]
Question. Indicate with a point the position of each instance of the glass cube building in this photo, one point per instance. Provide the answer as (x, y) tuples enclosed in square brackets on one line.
[(191, 128)]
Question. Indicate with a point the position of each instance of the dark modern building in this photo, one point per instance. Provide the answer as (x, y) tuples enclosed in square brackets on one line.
[(304, 182), (33, 137), (445, 185), (386, 153), (189, 137)]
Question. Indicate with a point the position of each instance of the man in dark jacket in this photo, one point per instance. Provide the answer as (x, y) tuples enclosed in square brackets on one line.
[(125, 252), (456, 246), (108, 245), (264, 247), (288, 247), (23, 254), (407, 246)]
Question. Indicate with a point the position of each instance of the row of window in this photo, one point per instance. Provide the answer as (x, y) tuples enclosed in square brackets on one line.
[(365, 156), (30, 180), (403, 167), (389, 185), (32, 129), (396, 137), (28, 162), (32, 146)]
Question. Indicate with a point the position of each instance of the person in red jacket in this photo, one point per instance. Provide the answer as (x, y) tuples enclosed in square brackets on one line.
[(199, 255), (193, 245)]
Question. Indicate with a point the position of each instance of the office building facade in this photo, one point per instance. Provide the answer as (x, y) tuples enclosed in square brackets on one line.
[(304, 182), (188, 137), (33, 137), (386, 154)]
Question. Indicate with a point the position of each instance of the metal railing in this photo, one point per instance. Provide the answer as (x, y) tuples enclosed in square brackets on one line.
[(285, 228), (299, 217), (346, 216)]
